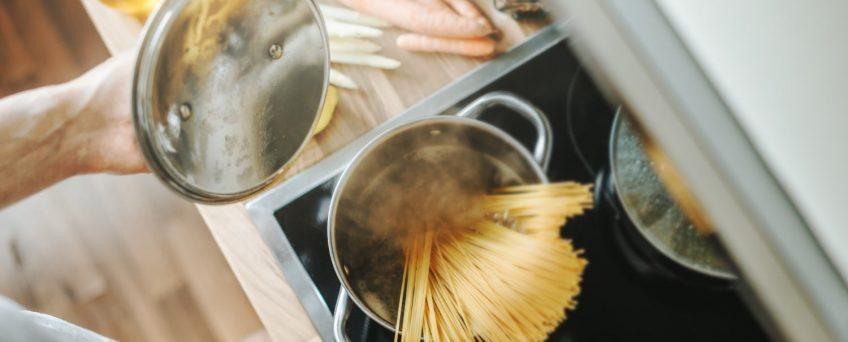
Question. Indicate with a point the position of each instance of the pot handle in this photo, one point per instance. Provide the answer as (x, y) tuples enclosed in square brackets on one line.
[(544, 133), (340, 315)]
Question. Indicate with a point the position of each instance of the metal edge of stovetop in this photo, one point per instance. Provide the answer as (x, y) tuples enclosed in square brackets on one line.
[(262, 208)]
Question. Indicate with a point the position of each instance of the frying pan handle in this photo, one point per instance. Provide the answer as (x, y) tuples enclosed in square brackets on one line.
[(340, 315), (544, 133)]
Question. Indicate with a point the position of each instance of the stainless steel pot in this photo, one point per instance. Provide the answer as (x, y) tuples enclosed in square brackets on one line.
[(416, 175)]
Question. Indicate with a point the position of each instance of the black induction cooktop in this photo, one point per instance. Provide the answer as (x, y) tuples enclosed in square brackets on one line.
[(617, 301)]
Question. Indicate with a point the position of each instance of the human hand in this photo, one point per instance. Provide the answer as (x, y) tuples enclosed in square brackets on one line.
[(54, 132), (102, 133)]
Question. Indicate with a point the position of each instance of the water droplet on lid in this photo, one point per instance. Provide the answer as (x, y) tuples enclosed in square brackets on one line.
[(275, 51)]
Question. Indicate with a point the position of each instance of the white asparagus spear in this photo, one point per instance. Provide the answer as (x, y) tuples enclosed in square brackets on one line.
[(366, 59), (351, 16), (341, 80), (353, 45), (344, 30)]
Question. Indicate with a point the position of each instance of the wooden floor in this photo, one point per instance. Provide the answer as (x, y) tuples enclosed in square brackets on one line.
[(119, 255)]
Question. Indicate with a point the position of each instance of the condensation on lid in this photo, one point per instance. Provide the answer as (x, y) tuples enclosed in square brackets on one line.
[(227, 92)]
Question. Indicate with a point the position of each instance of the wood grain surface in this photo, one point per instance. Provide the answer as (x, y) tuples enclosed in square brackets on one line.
[(382, 96), (122, 256)]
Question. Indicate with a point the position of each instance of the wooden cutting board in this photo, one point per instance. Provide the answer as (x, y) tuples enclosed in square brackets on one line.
[(382, 96)]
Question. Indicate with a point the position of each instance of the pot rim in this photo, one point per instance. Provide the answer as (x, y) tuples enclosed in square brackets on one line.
[(377, 141)]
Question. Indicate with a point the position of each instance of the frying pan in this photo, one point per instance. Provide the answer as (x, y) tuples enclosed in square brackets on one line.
[(651, 221)]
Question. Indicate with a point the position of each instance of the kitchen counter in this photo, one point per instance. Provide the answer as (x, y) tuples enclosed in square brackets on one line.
[(383, 95)]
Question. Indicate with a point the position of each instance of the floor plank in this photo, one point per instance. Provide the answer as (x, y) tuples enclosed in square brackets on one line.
[(178, 309), (209, 283), (42, 40), (16, 66)]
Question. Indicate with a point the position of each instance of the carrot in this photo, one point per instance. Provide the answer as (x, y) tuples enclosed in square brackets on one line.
[(476, 47), (467, 9), (436, 4), (420, 18)]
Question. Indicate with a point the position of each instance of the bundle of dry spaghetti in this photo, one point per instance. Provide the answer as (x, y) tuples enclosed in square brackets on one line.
[(508, 277)]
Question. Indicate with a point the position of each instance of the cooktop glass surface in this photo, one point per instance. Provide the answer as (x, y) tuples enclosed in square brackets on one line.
[(617, 301)]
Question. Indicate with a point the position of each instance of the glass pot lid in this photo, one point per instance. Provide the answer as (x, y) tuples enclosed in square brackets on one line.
[(227, 92)]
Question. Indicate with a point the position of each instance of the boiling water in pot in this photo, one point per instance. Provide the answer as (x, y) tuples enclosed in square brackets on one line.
[(432, 187)]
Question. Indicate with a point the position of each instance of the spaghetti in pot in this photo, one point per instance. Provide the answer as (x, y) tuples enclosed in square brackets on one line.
[(507, 277)]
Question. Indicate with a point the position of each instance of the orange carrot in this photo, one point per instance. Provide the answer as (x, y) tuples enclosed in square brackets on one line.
[(467, 9), (475, 47), (420, 18), (436, 5)]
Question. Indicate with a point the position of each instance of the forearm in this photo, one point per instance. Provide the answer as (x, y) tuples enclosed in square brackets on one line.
[(36, 149), (83, 126)]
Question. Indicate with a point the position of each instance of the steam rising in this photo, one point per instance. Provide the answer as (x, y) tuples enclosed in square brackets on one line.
[(429, 177)]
